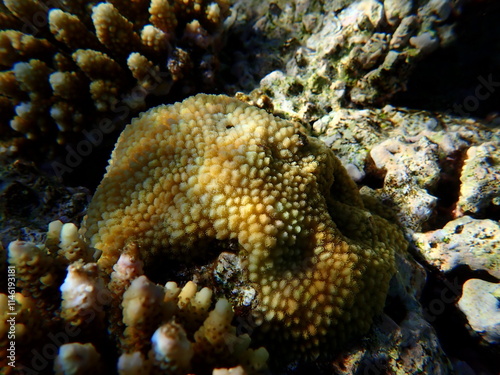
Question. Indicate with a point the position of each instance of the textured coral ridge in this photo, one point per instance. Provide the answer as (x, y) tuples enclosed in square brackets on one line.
[(214, 168), (65, 63)]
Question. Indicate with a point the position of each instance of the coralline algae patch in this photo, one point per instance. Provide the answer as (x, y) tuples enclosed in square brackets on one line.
[(215, 169)]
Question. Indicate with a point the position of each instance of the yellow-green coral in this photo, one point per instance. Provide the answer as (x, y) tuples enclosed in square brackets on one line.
[(213, 168)]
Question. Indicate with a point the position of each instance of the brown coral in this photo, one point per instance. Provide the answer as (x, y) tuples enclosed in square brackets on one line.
[(215, 169), (65, 68)]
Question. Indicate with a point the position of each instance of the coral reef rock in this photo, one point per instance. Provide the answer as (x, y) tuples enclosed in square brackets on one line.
[(480, 180), (463, 242), (190, 178), (479, 303), (412, 168), (67, 68), (323, 53), (409, 156)]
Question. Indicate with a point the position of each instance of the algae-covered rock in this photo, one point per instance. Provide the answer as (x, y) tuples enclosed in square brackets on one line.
[(463, 242), (411, 155), (480, 178), (480, 302), (327, 53)]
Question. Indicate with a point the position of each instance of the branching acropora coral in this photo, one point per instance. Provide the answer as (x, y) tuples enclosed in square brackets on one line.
[(65, 65), (212, 168), (152, 328)]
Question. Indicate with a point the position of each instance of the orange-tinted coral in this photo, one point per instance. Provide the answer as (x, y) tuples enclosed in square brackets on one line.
[(215, 169)]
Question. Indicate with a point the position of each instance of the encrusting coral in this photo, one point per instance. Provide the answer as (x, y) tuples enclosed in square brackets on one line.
[(185, 179), (68, 65)]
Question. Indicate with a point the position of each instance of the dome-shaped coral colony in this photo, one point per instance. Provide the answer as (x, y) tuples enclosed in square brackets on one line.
[(214, 168)]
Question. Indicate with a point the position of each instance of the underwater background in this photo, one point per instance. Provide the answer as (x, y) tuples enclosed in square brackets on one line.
[(351, 163)]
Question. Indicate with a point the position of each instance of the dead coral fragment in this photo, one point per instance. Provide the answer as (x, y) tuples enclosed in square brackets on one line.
[(213, 167)]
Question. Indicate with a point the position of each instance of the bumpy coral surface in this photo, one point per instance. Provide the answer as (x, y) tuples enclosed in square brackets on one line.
[(65, 65), (186, 178)]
